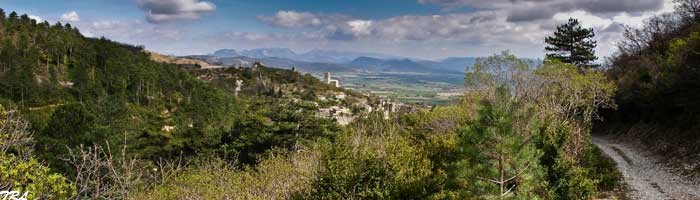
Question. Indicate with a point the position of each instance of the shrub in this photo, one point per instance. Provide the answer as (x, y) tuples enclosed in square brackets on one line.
[(19, 171), (373, 160), (278, 176)]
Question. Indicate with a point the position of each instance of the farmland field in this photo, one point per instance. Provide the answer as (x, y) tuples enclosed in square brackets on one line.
[(422, 88)]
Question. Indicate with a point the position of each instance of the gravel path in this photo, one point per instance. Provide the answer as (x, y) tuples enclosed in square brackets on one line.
[(646, 177)]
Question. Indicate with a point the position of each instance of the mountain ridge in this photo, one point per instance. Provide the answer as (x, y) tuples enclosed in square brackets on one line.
[(319, 61), (314, 55)]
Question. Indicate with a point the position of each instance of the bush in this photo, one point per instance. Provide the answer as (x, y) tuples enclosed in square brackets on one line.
[(374, 160), (496, 155), (19, 171), (32, 177), (278, 176)]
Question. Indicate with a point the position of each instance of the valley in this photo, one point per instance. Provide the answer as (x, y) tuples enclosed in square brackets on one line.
[(391, 77), (419, 88)]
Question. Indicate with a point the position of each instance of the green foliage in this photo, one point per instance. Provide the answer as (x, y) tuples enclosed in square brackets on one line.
[(103, 90), (32, 177), (19, 171), (278, 176), (85, 91), (656, 76), (269, 123), (374, 161), (497, 155), (71, 125), (561, 103), (572, 44), (574, 95), (603, 168), (570, 101)]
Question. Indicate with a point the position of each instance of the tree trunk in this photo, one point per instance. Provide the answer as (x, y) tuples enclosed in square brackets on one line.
[(500, 171)]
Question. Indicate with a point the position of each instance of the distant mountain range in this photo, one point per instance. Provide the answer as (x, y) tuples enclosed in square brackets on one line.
[(319, 61), (256, 53), (316, 55)]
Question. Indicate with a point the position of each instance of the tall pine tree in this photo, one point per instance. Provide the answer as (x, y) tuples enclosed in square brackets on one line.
[(572, 44)]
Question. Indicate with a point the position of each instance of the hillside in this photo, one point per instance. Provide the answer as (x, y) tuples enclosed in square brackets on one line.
[(83, 91), (400, 65), (658, 90), (180, 61)]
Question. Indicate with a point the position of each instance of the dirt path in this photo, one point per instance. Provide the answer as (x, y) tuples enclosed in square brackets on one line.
[(646, 177)]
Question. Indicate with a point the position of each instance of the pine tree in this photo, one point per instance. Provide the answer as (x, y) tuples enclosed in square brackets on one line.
[(13, 16), (572, 44), (2, 17), (497, 158)]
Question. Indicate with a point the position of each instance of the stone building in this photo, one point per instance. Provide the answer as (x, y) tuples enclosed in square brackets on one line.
[(329, 80)]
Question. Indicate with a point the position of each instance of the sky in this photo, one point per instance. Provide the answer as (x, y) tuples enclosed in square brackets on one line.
[(422, 29)]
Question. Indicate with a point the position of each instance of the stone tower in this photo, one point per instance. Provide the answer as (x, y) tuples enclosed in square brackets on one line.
[(327, 78)]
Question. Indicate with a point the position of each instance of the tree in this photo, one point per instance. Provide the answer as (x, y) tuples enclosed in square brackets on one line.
[(2, 18), (13, 16), (504, 70), (69, 126), (572, 44), (19, 170), (497, 157), (689, 9)]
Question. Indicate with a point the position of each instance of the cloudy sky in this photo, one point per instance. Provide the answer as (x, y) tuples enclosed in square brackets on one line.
[(429, 29)]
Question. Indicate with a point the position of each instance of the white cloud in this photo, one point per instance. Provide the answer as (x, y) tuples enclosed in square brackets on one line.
[(135, 32), (586, 19), (360, 27), (70, 17), (292, 19), (107, 25), (529, 10), (36, 18), (159, 11)]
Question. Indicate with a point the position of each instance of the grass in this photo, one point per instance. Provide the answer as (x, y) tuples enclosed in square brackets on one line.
[(610, 181)]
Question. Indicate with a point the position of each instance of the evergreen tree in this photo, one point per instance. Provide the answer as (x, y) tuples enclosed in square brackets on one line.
[(496, 156), (13, 16), (572, 44), (2, 18)]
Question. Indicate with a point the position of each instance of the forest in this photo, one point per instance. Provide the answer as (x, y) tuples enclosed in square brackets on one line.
[(91, 118)]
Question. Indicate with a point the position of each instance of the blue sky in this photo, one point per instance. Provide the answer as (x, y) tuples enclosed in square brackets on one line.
[(428, 29)]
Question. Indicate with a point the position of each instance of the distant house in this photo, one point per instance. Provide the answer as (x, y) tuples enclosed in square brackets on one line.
[(340, 95), (342, 115), (168, 129), (327, 77)]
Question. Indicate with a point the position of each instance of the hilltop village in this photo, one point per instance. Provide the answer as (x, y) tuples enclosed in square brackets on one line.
[(333, 101)]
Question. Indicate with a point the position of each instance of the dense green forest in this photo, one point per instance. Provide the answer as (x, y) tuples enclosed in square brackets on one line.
[(89, 118), (76, 92)]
